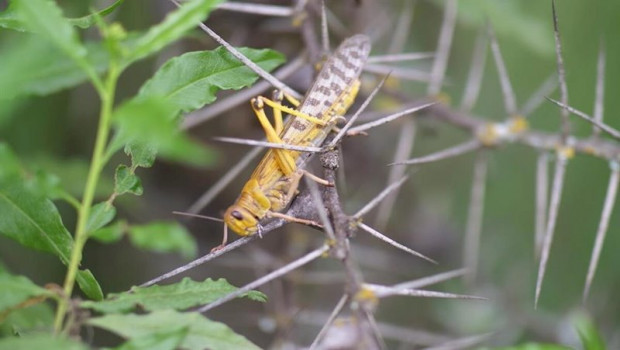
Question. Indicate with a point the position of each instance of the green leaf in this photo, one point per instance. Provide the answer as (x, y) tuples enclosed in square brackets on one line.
[(163, 340), (144, 120), (142, 155), (126, 181), (45, 18), (33, 66), (71, 172), (45, 184), (89, 20), (33, 221), (100, 215), (175, 25), (164, 237), (589, 334), (10, 20), (89, 285), (202, 332), (41, 183), (40, 341), (111, 233), (11, 166), (17, 289), (150, 123), (191, 80), (36, 317), (179, 296)]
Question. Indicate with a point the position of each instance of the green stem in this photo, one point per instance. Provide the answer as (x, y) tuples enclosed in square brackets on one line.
[(96, 166)]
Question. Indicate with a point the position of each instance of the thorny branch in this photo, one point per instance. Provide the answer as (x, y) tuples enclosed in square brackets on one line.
[(344, 229), (361, 297)]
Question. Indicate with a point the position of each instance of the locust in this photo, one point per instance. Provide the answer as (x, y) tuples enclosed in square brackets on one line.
[(273, 184)]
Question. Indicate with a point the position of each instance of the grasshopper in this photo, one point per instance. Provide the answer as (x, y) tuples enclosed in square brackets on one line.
[(273, 184)]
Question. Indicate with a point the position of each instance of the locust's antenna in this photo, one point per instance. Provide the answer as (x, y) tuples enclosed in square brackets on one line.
[(197, 216)]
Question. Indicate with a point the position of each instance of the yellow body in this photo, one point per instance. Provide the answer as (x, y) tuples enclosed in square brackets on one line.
[(273, 183)]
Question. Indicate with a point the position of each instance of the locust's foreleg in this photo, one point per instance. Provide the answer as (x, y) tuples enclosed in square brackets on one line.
[(294, 219)]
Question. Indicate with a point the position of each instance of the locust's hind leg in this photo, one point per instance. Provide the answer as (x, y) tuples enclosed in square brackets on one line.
[(295, 102), (291, 111), (285, 161), (277, 96), (284, 158)]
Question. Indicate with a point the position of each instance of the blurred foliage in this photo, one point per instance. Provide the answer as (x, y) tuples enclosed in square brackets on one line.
[(146, 126), (178, 296)]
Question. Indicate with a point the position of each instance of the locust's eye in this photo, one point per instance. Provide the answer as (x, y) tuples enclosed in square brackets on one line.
[(237, 215)]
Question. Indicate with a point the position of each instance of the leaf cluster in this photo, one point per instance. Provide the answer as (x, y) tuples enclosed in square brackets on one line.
[(45, 53)]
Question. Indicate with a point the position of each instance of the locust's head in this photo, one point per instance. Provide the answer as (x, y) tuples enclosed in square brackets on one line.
[(241, 221)]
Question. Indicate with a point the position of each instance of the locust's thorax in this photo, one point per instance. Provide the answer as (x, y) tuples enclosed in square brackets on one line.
[(241, 221)]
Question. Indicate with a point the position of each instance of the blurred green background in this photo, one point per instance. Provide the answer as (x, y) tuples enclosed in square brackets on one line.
[(56, 133)]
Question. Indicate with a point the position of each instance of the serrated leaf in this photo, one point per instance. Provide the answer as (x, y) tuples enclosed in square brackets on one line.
[(202, 332), (36, 317), (175, 25), (40, 341), (191, 80), (179, 296), (151, 123), (45, 18), (126, 181), (33, 66), (17, 289), (142, 155), (111, 233), (164, 340), (33, 221), (89, 285), (164, 237), (100, 215), (87, 21)]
